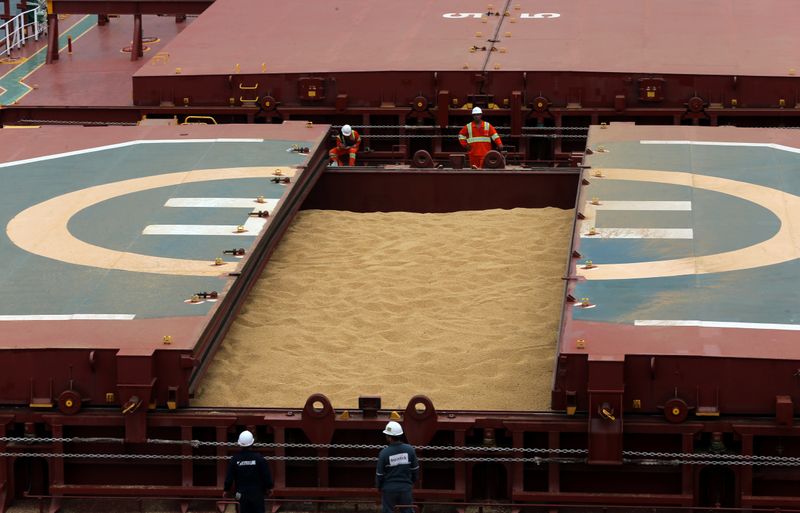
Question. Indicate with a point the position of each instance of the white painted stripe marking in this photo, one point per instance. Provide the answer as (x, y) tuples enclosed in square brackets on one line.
[(773, 146), (639, 233), (71, 317), (268, 205), (124, 145), (644, 205), (719, 324), (252, 226)]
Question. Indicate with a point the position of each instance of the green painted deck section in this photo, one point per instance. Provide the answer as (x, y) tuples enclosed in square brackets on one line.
[(11, 86), (44, 286), (721, 223)]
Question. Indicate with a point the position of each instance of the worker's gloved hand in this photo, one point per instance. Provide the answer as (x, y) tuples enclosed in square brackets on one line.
[(238, 496)]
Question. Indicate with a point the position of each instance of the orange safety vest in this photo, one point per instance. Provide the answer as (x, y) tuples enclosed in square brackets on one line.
[(479, 137), (354, 142)]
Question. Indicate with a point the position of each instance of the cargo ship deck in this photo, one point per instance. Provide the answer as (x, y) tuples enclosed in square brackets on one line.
[(111, 236), (688, 253)]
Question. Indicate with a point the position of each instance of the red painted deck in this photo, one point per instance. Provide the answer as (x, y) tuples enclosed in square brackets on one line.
[(717, 37), (98, 73)]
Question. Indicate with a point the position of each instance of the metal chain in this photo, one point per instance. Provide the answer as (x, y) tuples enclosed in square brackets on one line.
[(536, 460), (723, 457), (454, 136), (73, 122), (633, 457), (533, 450), (459, 127)]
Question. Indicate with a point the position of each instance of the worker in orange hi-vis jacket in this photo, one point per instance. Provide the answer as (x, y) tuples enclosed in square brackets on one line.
[(477, 137), (347, 143)]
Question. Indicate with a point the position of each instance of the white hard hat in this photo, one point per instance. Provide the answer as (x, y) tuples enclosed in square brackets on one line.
[(477, 110), (246, 439), (347, 130), (393, 429)]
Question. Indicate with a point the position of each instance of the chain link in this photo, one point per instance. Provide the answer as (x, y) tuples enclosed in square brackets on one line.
[(459, 127), (73, 122), (631, 457), (370, 459), (454, 136)]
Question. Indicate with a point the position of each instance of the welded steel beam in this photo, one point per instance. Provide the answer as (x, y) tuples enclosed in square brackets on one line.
[(176, 7)]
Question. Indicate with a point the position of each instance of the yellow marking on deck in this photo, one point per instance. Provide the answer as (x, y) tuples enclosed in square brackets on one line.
[(782, 247), (42, 228)]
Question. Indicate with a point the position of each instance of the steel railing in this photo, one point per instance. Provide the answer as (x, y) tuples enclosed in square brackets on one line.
[(14, 33)]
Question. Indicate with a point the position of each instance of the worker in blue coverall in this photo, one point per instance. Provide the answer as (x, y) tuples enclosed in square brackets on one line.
[(249, 473), (397, 471)]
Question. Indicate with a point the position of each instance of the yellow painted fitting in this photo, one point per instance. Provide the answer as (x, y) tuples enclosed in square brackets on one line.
[(261, 199), (218, 261), (278, 172), (465, 66), (263, 67), (473, 50), (344, 415), (792, 71), (603, 126), (195, 299), (394, 416), (237, 68), (309, 124), (172, 405), (454, 101), (585, 301), (637, 404), (595, 201), (484, 20), (503, 49), (508, 34), (571, 410), (110, 397), (607, 414), (592, 231), (489, 8), (496, 66), (589, 265), (167, 339), (478, 34), (734, 102), (232, 101), (580, 343), (178, 71), (601, 149), (506, 101), (186, 100), (240, 229), (598, 173), (781, 103)]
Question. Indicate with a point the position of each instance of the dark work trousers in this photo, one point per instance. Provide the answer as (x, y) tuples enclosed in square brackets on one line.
[(392, 499), (251, 501)]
